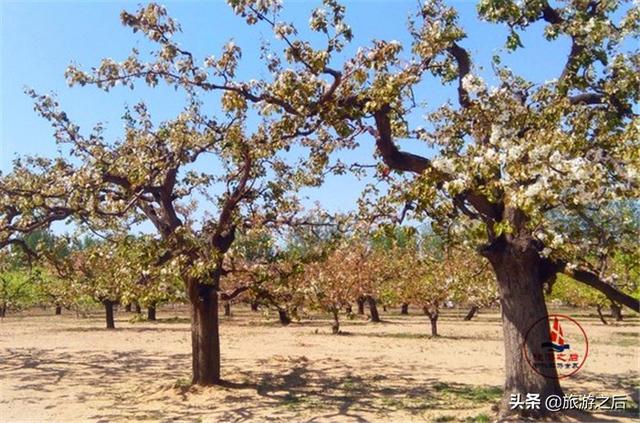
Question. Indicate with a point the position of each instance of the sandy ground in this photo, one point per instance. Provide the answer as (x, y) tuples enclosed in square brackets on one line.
[(69, 369)]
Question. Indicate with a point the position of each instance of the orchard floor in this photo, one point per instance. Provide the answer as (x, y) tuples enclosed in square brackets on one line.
[(69, 369)]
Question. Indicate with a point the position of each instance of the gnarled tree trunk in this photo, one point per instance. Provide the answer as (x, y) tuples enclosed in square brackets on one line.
[(404, 308), (472, 312), (108, 309), (373, 309), (520, 274), (205, 337)]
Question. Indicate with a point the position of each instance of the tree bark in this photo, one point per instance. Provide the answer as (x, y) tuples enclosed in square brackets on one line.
[(520, 275), (137, 308), (472, 312), (284, 317), (254, 306), (600, 315), (227, 308), (58, 310), (373, 309), (360, 301), (404, 308), (205, 337), (335, 326), (3, 311), (151, 312), (616, 312), (348, 309), (108, 308), (127, 308)]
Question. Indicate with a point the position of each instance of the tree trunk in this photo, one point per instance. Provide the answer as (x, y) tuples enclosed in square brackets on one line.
[(108, 308), (151, 312), (472, 312), (384, 307), (404, 308), (205, 337), (335, 326), (254, 306), (520, 274), (600, 315), (227, 308), (348, 309), (127, 308), (3, 311), (58, 310), (360, 301), (284, 317), (373, 309), (433, 314), (137, 308), (616, 312)]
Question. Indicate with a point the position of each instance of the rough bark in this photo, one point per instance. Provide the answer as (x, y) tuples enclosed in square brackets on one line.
[(520, 277), (373, 309), (600, 315), (284, 317), (616, 312), (404, 308), (108, 309), (151, 313), (205, 337), (472, 312), (58, 310), (227, 308), (360, 301)]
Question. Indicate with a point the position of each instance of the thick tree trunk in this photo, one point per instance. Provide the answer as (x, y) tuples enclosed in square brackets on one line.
[(472, 312), (616, 312), (205, 337), (360, 301), (127, 308), (404, 308), (335, 326), (58, 310), (600, 315), (108, 309), (151, 312), (227, 308), (520, 276), (373, 309), (254, 306), (284, 317)]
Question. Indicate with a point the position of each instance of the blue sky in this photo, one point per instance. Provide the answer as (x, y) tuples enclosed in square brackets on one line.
[(40, 39)]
